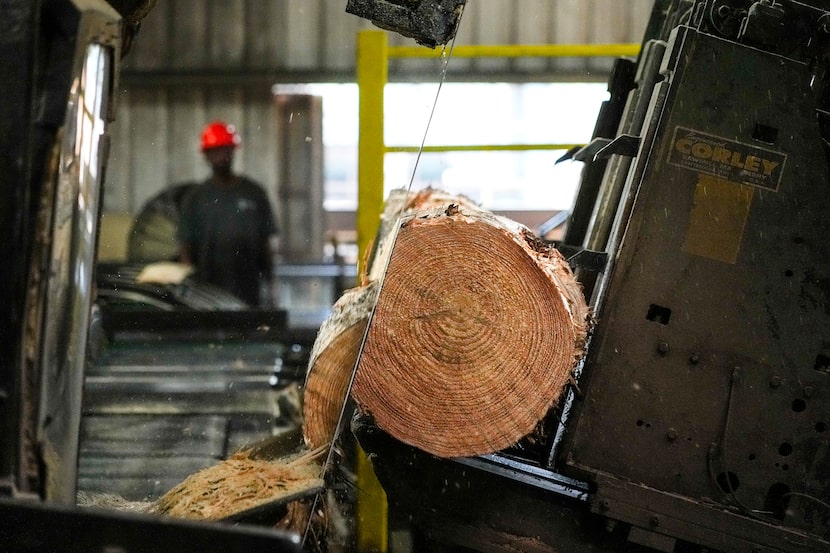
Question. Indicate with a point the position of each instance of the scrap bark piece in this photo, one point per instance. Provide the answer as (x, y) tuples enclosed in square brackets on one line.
[(402, 204), (475, 333), (332, 361)]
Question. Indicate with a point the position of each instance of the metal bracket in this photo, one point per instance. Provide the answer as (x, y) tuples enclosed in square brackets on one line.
[(568, 155), (581, 258), (429, 22), (624, 145), (589, 151)]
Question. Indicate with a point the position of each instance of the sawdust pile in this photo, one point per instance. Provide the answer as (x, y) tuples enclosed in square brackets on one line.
[(239, 485), (111, 501)]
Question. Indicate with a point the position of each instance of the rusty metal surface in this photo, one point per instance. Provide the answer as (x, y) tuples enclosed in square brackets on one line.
[(17, 89)]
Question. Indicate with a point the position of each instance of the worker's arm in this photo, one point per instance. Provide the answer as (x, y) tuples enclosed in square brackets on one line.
[(269, 251), (186, 254), (267, 263)]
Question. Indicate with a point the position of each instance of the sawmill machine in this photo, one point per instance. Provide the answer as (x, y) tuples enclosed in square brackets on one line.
[(699, 418), (60, 70), (698, 421)]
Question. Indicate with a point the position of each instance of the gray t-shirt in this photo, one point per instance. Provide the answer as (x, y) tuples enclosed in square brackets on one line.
[(227, 228)]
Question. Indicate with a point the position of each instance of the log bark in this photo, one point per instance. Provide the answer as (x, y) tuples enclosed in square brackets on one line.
[(332, 361), (476, 328)]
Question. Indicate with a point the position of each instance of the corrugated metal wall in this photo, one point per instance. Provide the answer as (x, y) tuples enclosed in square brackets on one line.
[(197, 60), (155, 139), (286, 39)]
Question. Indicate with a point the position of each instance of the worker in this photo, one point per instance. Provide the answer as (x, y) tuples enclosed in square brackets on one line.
[(227, 226)]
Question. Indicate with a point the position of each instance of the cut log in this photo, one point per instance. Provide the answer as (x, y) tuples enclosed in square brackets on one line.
[(477, 327), (333, 357)]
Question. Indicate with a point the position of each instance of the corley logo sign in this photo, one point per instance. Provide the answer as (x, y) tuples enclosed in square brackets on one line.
[(727, 159)]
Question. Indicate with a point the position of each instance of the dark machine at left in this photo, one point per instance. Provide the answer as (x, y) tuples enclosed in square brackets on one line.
[(59, 84)]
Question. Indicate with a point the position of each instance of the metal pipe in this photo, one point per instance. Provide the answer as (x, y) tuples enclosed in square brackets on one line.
[(521, 51), (480, 148)]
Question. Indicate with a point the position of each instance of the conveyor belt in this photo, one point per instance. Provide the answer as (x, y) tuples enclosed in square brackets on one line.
[(157, 411)]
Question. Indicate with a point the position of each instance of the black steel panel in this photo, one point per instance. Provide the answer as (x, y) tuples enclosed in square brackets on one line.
[(138, 478), (174, 435), (35, 528), (708, 369)]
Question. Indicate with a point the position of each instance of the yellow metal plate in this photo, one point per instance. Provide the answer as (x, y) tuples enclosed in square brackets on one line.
[(716, 223)]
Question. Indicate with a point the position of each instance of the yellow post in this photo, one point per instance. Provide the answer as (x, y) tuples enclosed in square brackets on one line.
[(372, 63)]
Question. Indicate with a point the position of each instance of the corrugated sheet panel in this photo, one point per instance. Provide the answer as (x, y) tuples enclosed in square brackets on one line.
[(156, 139), (316, 38)]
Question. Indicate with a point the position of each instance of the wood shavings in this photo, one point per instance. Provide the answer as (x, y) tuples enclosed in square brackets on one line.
[(241, 484)]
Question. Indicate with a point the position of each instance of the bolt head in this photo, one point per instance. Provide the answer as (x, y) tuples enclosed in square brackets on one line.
[(654, 520)]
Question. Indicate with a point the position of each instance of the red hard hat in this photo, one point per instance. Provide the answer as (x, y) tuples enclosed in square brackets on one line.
[(219, 134)]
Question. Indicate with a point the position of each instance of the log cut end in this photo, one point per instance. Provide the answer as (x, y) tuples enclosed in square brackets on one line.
[(477, 325), (474, 336)]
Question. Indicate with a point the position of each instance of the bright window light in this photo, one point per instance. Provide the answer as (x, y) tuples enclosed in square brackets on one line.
[(466, 114)]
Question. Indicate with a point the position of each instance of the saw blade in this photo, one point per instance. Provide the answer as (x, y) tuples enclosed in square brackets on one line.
[(446, 55)]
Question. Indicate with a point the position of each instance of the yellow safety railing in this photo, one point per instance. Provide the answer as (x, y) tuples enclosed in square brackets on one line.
[(373, 54), (520, 51)]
